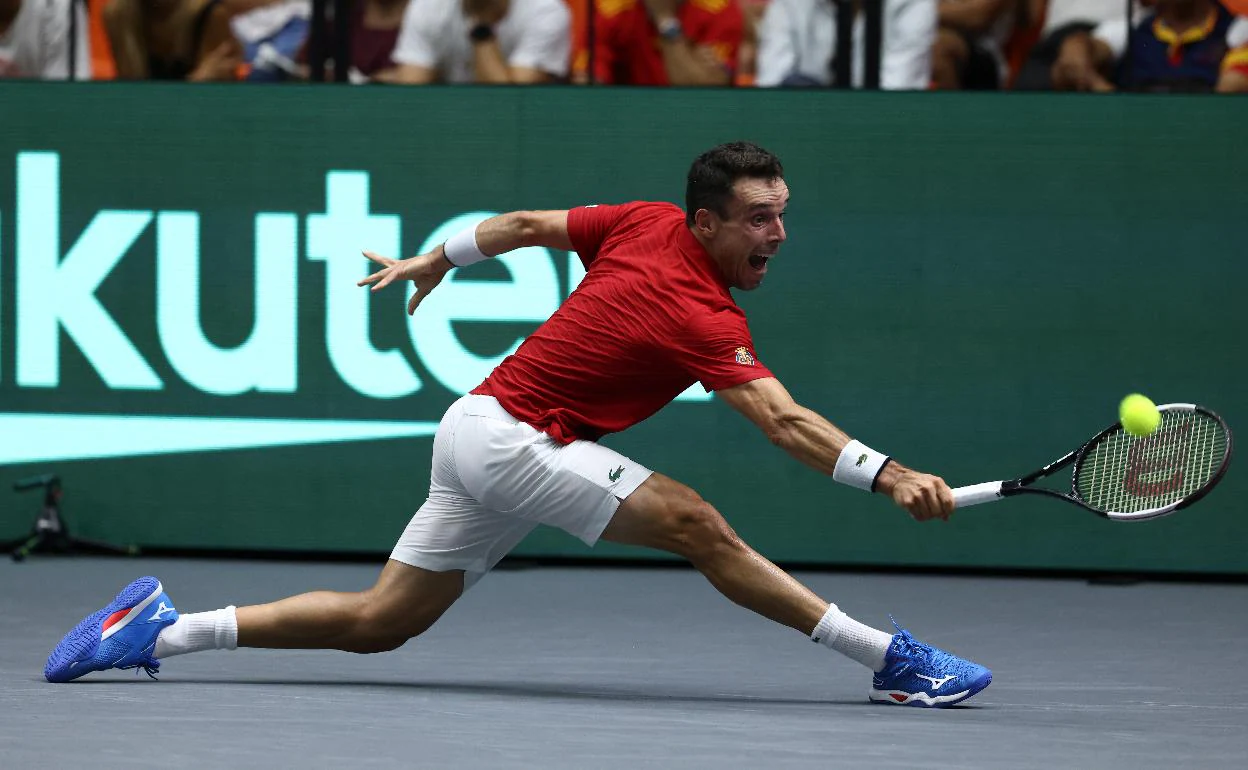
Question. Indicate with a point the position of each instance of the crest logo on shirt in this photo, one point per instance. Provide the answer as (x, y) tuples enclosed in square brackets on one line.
[(744, 358)]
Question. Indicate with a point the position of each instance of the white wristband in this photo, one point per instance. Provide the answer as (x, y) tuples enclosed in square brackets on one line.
[(859, 465), (461, 248)]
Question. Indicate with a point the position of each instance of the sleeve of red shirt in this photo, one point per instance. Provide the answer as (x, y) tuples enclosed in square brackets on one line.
[(588, 227), (717, 349)]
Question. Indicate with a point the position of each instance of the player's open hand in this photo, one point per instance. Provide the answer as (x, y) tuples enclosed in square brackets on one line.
[(424, 270), (923, 496)]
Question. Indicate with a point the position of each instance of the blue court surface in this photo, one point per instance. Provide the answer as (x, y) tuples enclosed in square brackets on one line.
[(560, 667)]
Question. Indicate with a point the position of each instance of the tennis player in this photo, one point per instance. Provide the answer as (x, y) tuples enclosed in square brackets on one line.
[(652, 316)]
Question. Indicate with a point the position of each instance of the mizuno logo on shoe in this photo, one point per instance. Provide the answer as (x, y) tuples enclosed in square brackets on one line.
[(163, 608), (936, 683)]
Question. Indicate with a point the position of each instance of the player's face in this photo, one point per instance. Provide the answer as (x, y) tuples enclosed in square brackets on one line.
[(745, 241)]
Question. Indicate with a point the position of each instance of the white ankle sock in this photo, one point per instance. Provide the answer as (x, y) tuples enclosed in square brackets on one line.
[(847, 636), (217, 630)]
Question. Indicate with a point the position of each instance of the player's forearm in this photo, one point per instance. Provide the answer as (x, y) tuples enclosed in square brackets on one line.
[(488, 63), (816, 442), (810, 438)]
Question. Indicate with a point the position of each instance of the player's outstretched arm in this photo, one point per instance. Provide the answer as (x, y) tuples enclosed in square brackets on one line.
[(818, 443), (496, 235)]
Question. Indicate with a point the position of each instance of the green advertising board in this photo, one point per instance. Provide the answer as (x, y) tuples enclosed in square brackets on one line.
[(971, 283)]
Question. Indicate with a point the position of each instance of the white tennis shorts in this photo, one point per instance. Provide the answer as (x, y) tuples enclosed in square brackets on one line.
[(494, 479)]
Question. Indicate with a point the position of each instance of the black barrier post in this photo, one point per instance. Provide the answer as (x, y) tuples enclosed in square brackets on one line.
[(342, 41), (844, 54), (316, 42), (874, 23), (73, 39), (1125, 65)]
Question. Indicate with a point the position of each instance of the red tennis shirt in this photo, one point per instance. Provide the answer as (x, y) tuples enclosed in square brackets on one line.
[(652, 316)]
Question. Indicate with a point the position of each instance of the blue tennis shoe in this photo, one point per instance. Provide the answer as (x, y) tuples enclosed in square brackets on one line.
[(916, 674), (122, 635)]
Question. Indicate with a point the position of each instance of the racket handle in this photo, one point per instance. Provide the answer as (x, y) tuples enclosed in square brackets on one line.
[(976, 494)]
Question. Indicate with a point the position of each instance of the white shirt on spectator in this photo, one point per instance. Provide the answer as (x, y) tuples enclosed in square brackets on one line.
[(798, 38), (36, 44), (1060, 13), (535, 34)]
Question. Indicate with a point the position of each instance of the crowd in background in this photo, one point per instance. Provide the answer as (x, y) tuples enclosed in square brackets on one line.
[(1070, 45)]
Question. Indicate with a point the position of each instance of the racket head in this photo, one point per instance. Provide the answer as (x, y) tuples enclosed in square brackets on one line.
[(1134, 478)]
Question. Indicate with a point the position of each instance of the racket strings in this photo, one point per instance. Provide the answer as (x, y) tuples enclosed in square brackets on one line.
[(1129, 474)]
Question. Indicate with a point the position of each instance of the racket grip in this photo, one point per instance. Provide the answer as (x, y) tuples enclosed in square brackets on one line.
[(976, 494)]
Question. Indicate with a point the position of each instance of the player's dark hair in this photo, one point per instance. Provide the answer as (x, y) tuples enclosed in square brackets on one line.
[(715, 171)]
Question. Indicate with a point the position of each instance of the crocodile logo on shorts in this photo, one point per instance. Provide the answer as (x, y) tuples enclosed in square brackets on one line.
[(615, 474), (862, 458)]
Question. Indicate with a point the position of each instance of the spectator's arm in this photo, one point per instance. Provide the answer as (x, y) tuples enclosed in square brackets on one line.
[(909, 34), (528, 76), (415, 53), (1082, 64), (239, 7), (971, 16), (777, 44), (545, 47), (220, 53), (123, 23), (1035, 11), (690, 66), (407, 74), (689, 63), (1234, 76), (488, 64), (1233, 82)]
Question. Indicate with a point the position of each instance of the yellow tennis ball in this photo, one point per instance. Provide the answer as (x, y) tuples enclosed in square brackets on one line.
[(1139, 415)]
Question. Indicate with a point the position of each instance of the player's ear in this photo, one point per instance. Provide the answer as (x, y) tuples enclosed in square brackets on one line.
[(705, 222)]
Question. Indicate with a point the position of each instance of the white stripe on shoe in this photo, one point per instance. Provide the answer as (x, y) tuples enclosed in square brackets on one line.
[(133, 613)]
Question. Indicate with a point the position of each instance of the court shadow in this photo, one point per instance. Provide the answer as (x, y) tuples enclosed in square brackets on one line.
[(520, 690)]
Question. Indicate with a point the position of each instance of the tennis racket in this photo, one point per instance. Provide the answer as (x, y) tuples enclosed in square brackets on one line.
[(1131, 478)]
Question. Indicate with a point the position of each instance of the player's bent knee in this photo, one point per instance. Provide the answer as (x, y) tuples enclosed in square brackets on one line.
[(376, 636), (699, 531), (384, 630)]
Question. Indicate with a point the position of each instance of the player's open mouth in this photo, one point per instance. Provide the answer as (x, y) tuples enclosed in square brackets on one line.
[(759, 261)]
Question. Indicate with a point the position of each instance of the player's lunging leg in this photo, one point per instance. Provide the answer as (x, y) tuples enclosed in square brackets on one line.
[(404, 603), (667, 515), (670, 516)]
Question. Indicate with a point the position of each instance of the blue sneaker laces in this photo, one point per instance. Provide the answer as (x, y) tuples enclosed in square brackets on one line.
[(148, 668), (925, 656)]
